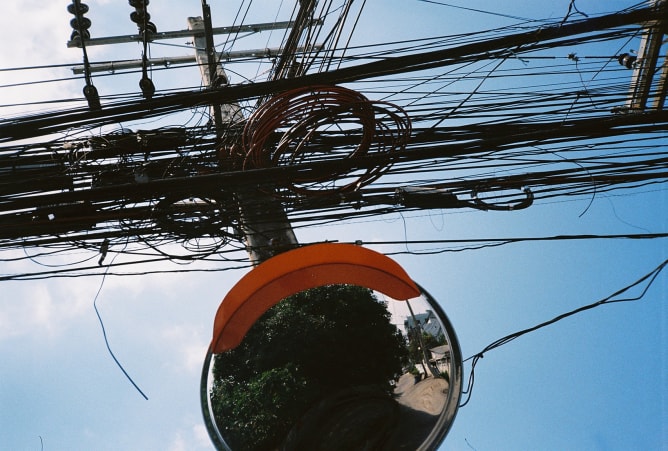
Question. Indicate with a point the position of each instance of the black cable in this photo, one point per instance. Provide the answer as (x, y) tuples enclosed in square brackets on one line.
[(649, 277), (104, 332), (507, 16), (536, 104)]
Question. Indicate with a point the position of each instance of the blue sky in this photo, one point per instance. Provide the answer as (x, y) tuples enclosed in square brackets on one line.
[(595, 381)]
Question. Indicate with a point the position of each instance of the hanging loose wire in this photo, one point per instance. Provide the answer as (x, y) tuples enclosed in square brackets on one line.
[(104, 331), (648, 279)]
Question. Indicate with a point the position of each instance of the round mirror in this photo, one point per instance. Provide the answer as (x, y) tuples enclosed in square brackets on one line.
[(333, 367)]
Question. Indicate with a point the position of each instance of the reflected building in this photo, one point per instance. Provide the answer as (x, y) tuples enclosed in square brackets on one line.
[(427, 322)]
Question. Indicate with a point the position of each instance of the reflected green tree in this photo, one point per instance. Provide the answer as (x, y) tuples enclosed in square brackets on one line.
[(309, 346)]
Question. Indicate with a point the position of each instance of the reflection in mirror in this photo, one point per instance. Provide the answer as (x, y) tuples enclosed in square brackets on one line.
[(336, 367)]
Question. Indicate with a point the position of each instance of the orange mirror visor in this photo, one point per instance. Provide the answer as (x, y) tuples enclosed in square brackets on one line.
[(298, 270)]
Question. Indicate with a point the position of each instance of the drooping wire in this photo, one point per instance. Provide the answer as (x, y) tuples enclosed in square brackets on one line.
[(350, 36), (508, 16), (572, 8), (104, 331), (472, 93), (649, 278)]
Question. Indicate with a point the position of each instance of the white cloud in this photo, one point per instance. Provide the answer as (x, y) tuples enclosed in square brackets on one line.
[(195, 439), (23, 314), (40, 35), (201, 436), (43, 309), (178, 444), (187, 345)]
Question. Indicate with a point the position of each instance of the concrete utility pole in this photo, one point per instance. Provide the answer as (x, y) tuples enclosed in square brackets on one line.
[(425, 352), (264, 223), (645, 67)]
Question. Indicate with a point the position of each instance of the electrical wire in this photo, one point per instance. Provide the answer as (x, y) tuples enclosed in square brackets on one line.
[(82, 184), (104, 333), (649, 278), (507, 16)]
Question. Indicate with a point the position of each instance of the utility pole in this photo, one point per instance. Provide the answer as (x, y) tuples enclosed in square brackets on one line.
[(263, 220), (424, 351), (645, 67), (264, 223)]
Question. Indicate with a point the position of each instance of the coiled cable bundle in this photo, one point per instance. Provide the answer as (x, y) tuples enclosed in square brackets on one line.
[(324, 123)]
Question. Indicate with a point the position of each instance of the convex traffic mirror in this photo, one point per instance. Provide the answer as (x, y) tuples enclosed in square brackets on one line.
[(330, 347)]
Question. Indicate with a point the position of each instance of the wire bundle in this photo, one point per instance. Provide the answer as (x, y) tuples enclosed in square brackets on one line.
[(499, 119), (293, 128)]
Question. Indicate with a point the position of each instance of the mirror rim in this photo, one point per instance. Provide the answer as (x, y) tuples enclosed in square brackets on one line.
[(297, 270)]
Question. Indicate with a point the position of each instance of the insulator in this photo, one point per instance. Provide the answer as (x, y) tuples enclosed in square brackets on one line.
[(72, 9), (93, 98), (147, 87), (75, 35), (82, 22), (79, 23), (150, 28), (219, 80), (140, 17), (627, 60)]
